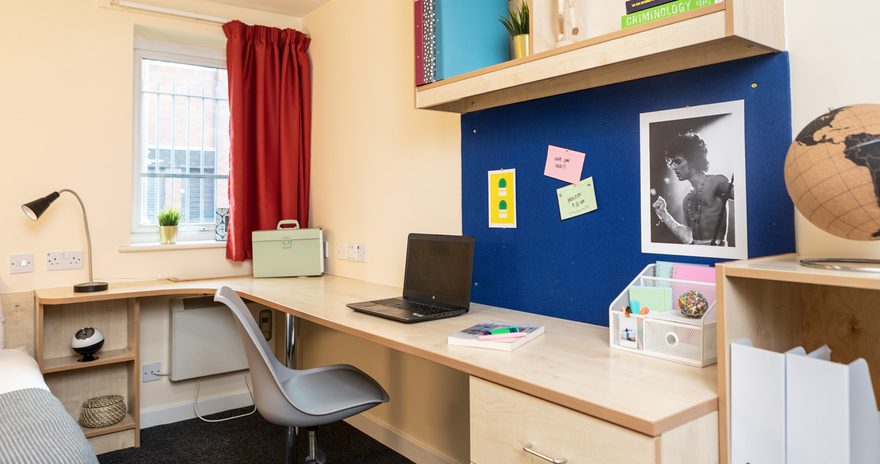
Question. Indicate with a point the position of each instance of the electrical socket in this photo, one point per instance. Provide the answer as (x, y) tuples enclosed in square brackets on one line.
[(21, 263), (360, 252), (60, 260), (151, 372)]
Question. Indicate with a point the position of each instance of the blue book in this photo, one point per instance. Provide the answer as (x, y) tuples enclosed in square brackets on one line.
[(469, 35)]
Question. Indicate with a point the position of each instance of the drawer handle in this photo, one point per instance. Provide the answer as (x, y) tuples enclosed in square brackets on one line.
[(528, 449)]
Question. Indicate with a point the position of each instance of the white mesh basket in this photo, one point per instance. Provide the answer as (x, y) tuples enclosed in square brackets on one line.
[(667, 335)]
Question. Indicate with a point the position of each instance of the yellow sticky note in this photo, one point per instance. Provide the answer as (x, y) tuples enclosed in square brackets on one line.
[(576, 199), (502, 198)]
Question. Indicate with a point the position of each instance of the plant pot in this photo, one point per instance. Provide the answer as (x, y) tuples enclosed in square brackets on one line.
[(167, 235), (519, 46)]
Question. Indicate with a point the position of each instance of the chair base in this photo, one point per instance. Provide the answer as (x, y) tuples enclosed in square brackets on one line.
[(316, 455)]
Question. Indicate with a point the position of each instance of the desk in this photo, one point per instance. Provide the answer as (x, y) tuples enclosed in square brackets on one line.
[(570, 366)]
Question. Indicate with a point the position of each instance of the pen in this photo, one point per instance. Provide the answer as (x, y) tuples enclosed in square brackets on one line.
[(503, 336)]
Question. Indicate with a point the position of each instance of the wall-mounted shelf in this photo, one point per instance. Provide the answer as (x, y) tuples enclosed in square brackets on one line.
[(722, 32)]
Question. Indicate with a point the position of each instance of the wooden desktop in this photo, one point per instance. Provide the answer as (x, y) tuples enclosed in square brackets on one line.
[(565, 394)]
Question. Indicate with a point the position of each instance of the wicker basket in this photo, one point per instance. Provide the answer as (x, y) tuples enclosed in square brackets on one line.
[(102, 411)]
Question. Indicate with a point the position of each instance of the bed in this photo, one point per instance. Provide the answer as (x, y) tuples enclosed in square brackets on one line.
[(34, 426)]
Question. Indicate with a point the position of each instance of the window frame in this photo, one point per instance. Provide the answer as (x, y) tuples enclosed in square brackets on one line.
[(176, 53)]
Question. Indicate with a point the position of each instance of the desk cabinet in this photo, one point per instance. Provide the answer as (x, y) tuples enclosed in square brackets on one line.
[(504, 422)]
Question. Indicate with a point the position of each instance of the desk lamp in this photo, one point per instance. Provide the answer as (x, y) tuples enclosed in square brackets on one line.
[(36, 208)]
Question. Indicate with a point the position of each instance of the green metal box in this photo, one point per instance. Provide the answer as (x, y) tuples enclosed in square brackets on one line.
[(288, 252)]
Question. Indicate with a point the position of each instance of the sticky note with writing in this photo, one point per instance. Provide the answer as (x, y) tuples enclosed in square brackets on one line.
[(576, 199), (564, 164)]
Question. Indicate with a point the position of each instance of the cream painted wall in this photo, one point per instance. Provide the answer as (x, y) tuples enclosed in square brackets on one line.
[(380, 168), (831, 46), (66, 93)]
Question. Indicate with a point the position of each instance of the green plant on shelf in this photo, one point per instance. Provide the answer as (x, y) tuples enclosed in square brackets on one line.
[(518, 21), (169, 217)]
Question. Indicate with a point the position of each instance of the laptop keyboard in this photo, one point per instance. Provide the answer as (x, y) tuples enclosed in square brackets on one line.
[(414, 307)]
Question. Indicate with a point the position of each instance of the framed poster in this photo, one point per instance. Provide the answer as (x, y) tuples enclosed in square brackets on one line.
[(502, 198), (693, 178)]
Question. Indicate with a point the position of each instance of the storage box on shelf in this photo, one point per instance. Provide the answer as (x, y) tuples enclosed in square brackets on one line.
[(722, 32), (667, 335), (115, 372), (779, 304)]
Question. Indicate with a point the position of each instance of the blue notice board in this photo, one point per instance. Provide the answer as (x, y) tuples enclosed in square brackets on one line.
[(573, 269)]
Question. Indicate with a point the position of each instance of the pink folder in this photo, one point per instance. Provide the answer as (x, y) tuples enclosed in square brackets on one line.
[(696, 273)]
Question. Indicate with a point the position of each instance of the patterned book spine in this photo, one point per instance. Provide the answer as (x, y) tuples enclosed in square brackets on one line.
[(419, 14), (429, 16)]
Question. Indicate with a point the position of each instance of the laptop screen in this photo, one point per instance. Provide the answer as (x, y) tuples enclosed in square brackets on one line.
[(439, 269)]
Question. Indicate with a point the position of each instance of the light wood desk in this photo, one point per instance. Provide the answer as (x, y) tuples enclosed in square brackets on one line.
[(632, 404)]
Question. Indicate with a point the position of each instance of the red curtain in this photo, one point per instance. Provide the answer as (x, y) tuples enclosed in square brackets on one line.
[(270, 104)]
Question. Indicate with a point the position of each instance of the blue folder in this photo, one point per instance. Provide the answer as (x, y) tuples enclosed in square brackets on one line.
[(469, 35)]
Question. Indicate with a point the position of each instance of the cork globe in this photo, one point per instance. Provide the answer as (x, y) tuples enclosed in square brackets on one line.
[(832, 172)]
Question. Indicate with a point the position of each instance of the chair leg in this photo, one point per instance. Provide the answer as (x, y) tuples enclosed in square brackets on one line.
[(316, 456), (290, 450)]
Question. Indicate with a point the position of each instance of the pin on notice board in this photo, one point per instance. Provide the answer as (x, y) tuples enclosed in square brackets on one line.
[(564, 164)]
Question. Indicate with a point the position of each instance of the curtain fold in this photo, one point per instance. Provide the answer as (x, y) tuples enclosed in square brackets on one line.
[(270, 105)]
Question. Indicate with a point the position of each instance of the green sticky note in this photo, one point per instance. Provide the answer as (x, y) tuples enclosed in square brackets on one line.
[(576, 199), (657, 299)]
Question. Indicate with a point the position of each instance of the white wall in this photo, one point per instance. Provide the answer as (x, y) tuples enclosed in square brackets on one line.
[(833, 49)]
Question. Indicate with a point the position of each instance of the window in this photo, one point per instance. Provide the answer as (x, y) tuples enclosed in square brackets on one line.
[(181, 153)]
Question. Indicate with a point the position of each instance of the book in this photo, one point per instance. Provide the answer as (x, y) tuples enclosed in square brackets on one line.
[(470, 336), (419, 36), (663, 11), (633, 6), (429, 40), (469, 36)]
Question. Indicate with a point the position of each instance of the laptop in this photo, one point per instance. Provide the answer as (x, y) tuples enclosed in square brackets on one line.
[(436, 282)]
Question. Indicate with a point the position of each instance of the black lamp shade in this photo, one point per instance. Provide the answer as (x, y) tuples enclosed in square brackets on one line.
[(36, 208)]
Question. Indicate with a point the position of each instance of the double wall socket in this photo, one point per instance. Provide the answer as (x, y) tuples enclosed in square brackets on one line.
[(352, 252), (60, 260)]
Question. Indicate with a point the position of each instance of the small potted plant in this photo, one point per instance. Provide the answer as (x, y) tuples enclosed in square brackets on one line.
[(517, 25), (169, 218)]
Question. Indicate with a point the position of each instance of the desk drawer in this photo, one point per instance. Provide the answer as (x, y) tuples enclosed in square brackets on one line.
[(503, 421)]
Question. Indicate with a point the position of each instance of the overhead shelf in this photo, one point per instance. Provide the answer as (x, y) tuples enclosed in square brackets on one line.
[(722, 32)]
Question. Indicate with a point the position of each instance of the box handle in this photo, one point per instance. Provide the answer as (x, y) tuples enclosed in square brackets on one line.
[(288, 222)]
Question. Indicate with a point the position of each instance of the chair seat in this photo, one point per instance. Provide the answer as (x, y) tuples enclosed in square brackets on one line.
[(333, 390)]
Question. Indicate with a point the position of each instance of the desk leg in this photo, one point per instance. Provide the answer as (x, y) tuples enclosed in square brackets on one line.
[(290, 341)]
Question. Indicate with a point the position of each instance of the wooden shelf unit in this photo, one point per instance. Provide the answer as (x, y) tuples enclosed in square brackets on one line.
[(722, 32), (779, 304), (115, 372)]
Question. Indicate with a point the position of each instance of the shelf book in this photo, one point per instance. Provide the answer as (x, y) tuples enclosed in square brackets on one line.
[(663, 10), (471, 335)]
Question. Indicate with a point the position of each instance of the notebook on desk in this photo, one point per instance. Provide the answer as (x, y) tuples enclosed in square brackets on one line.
[(436, 282)]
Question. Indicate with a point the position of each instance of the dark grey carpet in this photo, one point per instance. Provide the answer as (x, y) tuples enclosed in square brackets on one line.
[(248, 440)]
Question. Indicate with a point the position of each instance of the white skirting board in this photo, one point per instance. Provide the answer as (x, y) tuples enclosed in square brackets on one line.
[(183, 410)]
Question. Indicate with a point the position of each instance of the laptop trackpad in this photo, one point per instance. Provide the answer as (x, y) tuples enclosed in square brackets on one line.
[(387, 310)]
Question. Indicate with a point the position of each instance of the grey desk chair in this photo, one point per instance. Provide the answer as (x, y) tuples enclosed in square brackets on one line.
[(299, 398)]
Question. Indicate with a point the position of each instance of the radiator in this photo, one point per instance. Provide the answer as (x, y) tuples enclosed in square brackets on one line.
[(204, 339)]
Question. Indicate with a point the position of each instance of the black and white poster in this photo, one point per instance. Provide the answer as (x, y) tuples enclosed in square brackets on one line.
[(693, 199)]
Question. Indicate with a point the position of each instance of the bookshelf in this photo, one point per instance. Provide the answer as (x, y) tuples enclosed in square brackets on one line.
[(721, 32), (115, 372), (779, 304)]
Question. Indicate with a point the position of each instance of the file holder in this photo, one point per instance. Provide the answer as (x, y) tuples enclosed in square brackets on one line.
[(801, 408), (667, 335)]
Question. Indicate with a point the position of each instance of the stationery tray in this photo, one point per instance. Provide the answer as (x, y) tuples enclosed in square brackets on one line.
[(665, 334)]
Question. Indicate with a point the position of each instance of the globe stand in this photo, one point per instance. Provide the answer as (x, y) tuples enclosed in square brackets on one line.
[(843, 264)]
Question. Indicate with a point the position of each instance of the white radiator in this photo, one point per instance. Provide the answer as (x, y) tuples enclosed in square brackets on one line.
[(204, 339)]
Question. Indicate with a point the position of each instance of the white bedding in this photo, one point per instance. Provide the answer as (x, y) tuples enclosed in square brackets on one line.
[(18, 371)]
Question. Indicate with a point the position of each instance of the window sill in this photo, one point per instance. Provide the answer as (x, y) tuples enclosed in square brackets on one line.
[(193, 245)]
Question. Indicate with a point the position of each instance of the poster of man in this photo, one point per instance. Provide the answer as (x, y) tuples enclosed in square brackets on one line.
[(693, 200)]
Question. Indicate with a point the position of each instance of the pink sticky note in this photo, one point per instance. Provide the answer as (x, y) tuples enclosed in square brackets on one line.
[(564, 164)]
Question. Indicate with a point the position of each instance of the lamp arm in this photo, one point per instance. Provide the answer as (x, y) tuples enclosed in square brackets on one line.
[(86, 222)]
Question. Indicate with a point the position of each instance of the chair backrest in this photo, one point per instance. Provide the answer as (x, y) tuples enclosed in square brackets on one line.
[(266, 372)]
